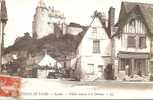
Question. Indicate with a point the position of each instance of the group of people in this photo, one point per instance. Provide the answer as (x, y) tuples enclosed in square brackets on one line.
[(127, 71), (11, 67)]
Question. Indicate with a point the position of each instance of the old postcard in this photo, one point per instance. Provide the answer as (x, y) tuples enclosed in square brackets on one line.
[(76, 49)]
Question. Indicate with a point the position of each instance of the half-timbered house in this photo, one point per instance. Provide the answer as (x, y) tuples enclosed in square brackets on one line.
[(132, 42)]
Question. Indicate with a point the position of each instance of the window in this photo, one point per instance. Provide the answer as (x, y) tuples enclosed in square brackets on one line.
[(96, 46), (131, 42), (100, 68), (142, 42), (94, 30), (125, 63), (43, 11), (90, 69), (49, 23)]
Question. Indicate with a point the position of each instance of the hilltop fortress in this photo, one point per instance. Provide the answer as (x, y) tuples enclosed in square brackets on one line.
[(47, 20)]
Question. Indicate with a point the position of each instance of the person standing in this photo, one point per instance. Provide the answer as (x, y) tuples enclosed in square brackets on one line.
[(127, 69)]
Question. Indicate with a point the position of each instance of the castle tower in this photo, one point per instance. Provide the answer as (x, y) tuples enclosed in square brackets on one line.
[(55, 17), (45, 20), (40, 21)]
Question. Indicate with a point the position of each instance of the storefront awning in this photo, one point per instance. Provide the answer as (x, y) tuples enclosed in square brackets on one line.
[(132, 55)]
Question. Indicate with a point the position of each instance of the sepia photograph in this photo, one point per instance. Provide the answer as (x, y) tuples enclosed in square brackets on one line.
[(76, 49)]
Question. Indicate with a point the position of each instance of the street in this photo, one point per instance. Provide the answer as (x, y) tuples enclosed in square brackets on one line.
[(58, 89), (51, 88)]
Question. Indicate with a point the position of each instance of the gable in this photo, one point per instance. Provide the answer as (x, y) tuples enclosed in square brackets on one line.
[(96, 23), (135, 23), (96, 30), (95, 40), (145, 10), (122, 15)]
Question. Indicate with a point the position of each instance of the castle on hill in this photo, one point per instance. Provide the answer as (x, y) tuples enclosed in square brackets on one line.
[(48, 20)]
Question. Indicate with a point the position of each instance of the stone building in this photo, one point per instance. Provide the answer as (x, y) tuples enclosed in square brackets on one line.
[(46, 19), (94, 51)]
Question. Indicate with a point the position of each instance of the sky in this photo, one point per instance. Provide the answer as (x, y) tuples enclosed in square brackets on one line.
[(21, 12)]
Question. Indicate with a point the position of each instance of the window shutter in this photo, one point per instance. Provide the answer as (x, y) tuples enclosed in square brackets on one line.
[(142, 42), (131, 42)]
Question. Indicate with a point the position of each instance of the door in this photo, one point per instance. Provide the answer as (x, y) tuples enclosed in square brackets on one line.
[(100, 72), (124, 63), (140, 67), (109, 72)]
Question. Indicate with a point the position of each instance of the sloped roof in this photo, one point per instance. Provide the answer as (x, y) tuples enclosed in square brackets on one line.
[(145, 9), (73, 24), (102, 21), (47, 60)]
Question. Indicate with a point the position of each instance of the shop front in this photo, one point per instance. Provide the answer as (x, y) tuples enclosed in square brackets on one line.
[(134, 63)]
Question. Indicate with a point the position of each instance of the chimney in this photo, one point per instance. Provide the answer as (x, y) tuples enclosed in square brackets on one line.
[(111, 19)]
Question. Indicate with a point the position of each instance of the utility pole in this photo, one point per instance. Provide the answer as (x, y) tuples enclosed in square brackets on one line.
[(3, 21)]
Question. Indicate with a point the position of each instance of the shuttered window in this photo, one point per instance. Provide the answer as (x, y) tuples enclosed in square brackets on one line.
[(90, 69), (96, 46), (142, 42), (131, 42)]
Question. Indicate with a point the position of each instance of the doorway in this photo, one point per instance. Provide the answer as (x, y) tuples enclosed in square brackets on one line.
[(126, 62), (140, 67), (100, 72)]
